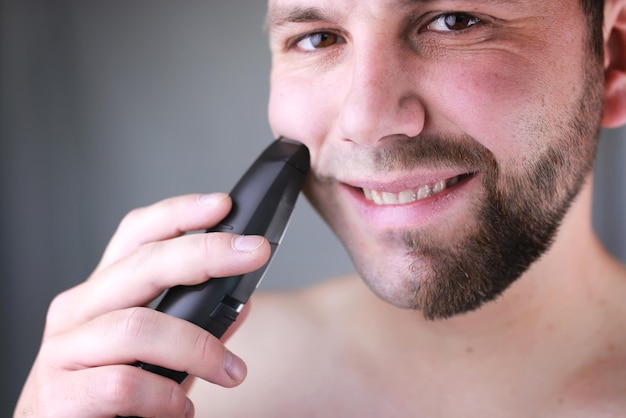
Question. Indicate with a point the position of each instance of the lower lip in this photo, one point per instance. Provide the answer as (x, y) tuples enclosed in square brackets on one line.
[(447, 204)]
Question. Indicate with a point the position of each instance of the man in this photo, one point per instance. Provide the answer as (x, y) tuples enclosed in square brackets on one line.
[(452, 144)]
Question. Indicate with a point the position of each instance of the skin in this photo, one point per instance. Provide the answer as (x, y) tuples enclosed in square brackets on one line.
[(550, 345), (453, 86)]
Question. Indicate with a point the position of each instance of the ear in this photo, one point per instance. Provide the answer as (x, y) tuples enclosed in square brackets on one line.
[(615, 64)]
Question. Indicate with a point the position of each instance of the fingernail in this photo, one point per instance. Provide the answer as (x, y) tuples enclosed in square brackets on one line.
[(247, 243), (189, 410), (211, 199), (234, 366)]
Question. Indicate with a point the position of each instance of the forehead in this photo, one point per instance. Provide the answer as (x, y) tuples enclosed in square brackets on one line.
[(293, 11), (281, 11)]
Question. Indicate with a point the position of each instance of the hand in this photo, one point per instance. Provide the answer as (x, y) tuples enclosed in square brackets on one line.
[(95, 330)]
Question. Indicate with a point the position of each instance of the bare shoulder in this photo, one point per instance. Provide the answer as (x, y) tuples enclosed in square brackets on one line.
[(288, 344), (599, 387)]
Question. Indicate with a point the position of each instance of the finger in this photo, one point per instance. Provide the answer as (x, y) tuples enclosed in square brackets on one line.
[(164, 220), (140, 277), (104, 392), (148, 336)]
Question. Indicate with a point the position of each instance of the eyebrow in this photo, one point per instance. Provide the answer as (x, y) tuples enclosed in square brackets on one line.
[(278, 16)]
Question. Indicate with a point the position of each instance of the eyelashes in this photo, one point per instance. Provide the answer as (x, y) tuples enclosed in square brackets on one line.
[(317, 40), (452, 22)]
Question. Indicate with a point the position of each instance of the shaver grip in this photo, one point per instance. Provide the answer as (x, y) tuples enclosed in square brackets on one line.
[(263, 202)]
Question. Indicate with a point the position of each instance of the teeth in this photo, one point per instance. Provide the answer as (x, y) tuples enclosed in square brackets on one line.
[(390, 198), (424, 192), (409, 196), (440, 186), (377, 197)]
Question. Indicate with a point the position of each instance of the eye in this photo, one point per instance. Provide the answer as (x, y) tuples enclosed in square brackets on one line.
[(318, 40), (452, 22)]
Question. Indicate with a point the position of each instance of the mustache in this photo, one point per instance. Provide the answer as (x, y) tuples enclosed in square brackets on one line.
[(432, 150)]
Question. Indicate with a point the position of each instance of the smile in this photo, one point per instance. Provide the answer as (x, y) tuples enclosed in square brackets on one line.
[(425, 191)]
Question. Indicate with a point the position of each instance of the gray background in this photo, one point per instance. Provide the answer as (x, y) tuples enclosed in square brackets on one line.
[(110, 105)]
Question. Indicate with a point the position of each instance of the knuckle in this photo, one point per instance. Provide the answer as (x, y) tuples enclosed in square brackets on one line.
[(57, 310), (142, 256), (126, 388), (210, 243), (135, 322), (207, 347), (123, 387), (176, 400), (145, 261), (211, 246), (48, 353), (131, 218)]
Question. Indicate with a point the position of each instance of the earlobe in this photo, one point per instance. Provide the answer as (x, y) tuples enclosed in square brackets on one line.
[(615, 64), (615, 99)]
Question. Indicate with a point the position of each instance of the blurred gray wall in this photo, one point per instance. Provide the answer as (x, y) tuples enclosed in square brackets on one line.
[(110, 105)]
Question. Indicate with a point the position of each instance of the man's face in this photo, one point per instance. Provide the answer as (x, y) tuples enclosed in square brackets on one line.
[(447, 137)]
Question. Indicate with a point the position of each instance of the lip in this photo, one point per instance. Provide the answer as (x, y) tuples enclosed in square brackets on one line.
[(440, 207)]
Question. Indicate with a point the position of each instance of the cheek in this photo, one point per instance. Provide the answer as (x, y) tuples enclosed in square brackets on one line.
[(496, 103), (299, 111)]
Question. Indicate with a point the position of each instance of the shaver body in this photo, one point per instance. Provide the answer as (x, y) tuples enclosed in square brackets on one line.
[(263, 201)]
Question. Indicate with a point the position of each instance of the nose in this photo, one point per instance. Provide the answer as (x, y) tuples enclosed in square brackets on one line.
[(381, 100)]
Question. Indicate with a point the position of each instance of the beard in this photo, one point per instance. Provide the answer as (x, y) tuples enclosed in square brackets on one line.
[(515, 221)]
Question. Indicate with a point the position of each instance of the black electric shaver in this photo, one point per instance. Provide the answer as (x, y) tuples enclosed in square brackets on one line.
[(263, 201)]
